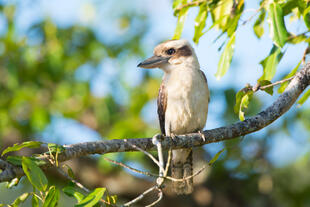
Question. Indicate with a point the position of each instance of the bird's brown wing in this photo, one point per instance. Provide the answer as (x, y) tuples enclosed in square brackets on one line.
[(161, 107), (205, 78)]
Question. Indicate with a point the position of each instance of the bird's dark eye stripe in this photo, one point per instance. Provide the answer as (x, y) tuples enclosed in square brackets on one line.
[(170, 51)]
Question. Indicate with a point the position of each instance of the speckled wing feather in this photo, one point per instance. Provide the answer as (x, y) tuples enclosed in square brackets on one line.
[(161, 107)]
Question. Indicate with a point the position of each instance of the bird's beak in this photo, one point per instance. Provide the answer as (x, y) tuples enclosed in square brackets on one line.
[(153, 62)]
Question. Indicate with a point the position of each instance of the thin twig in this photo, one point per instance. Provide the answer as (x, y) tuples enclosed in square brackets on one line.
[(188, 177), (160, 178), (78, 184), (168, 162), (157, 142), (307, 50), (189, 4), (252, 16), (160, 197), (145, 152), (292, 36), (140, 196), (258, 87), (130, 168), (37, 196), (60, 171)]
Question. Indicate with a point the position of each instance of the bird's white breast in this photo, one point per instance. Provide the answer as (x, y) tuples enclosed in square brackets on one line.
[(187, 101)]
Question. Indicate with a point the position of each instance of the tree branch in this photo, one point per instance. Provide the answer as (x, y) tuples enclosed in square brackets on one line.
[(190, 4), (297, 85), (259, 87)]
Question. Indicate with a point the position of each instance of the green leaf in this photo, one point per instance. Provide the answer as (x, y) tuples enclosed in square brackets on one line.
[(297, 39), (15, 160), (285, 84), (243, 98), (35, 201), (226, 58), (234, 17), (22, 198), (259, 24), (216, 156), (70, 171), (12, 183), (288, 6), (34, 174), (92, 198), (269, 90), (70, 191), (306, 15), (52, 197), (221, 13), (16, 147), (304, 98), (226, 15), (200, 22), (233, 23), (176, 3), (244, 104), (270, 63), (239, 96), (277, 27), (180, 24)]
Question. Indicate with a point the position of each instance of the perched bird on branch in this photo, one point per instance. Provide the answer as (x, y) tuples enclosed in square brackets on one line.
[(182, 102)]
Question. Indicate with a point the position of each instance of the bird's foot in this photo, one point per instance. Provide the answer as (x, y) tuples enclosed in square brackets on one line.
[(173, 136), (202, 135), (157, 138)]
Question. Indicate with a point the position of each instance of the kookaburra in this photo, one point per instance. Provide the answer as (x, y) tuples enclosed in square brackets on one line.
[(182, 102)]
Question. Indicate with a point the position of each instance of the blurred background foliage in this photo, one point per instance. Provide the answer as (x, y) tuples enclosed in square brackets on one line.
[(68, 74)]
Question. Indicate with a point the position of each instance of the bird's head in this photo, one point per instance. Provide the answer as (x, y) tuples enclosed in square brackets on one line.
[(171, 55)]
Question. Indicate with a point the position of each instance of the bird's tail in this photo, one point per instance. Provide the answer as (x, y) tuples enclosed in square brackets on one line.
[(182, 167)]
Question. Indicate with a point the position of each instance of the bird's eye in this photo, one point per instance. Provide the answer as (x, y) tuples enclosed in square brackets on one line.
[(170, 51)]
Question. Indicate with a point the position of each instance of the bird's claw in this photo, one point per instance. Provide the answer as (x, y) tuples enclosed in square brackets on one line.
[(173, 137), (202, 135), (157, 138)]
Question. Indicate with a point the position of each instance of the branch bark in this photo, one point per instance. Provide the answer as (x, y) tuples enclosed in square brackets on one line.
[(297, 85)]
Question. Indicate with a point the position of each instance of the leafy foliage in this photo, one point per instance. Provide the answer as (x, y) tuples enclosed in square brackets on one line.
[(16, 147), (259, 24), (34, 174), (268, 90), (277, 28), (216, 156), (70, 191), (92, 198), (19, 200), (181, 19), (270, 63), (226, 58), (200, 21), (52, 197), (304, 97), (243, 98), (226, 17)]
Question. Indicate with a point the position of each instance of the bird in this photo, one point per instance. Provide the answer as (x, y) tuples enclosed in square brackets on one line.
[(182, 102)]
